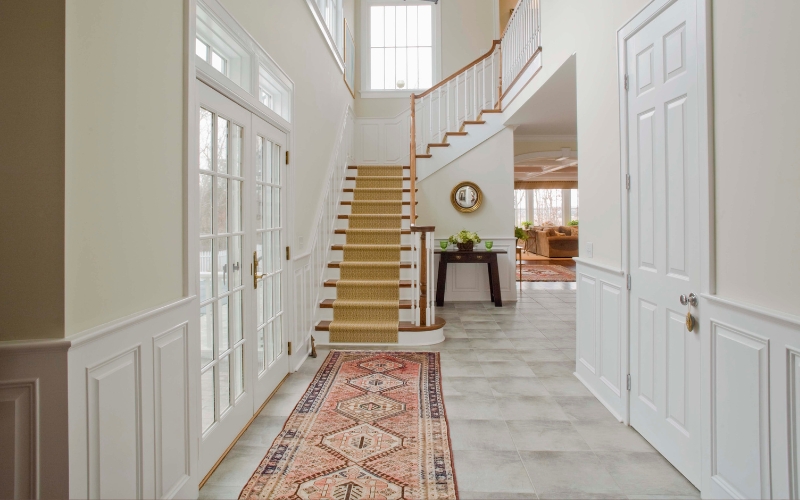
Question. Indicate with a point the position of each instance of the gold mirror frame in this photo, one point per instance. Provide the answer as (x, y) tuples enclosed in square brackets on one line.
[(477, 202)]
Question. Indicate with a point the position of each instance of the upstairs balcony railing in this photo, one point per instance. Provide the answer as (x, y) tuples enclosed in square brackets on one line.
[(447, 107)]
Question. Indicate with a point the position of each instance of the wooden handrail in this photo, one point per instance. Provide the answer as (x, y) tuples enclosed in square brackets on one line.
[(495, 43)]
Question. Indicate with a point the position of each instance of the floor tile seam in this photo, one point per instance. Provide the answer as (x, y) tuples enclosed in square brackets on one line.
[(519, 455)]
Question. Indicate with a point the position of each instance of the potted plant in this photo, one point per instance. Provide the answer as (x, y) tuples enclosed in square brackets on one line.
[(465, 240), (527, 224), (520, 234), (573, 222)]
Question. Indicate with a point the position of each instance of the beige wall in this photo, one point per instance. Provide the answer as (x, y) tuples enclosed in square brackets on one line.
[(321, 95), (756, 110), (467, 32), (32, 189), (506, 6), (124, 158), (490, 166), (589, 29)]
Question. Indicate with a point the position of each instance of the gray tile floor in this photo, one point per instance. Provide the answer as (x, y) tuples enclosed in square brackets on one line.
[(522, 426)]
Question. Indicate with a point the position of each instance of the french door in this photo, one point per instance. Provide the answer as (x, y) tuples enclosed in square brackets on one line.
[(665, 235), (243, 354)]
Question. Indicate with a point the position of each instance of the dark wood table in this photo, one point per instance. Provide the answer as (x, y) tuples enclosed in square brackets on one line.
[(488, 257)]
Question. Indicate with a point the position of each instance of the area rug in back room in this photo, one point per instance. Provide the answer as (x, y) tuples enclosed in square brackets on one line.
[(372, 425), (546, 273)]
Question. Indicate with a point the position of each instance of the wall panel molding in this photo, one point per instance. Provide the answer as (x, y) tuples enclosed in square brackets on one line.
[(383, 141), (19, 439)]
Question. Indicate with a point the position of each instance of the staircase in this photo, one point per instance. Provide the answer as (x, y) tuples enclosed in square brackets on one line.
[(369, 290)]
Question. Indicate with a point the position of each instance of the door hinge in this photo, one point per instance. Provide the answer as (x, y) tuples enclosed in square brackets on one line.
[(626, 82), (629, 282), (289, 349), (628, 181), (288, 253), (287, 157), (629, 381)]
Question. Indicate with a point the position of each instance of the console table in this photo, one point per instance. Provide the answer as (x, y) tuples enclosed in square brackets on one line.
[(488, 257)]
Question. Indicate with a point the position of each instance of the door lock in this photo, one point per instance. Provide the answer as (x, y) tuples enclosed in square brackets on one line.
[(690, 300)]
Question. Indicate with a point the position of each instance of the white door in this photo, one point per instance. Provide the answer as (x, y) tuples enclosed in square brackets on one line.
[(233, 379), (664, 241), (268, 222)]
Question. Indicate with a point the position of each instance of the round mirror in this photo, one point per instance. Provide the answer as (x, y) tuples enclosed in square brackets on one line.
[(466, 197)]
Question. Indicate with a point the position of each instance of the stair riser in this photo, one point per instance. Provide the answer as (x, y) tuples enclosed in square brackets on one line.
[(327, 315), (347, 209), (341, 239), (343, 224), (332, 273), (338, 255), (330, 293), (349, 196)]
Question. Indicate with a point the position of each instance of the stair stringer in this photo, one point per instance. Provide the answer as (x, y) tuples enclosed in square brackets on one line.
[(461, 145)]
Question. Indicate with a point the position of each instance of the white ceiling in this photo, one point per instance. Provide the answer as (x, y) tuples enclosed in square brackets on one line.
[(553, 109)]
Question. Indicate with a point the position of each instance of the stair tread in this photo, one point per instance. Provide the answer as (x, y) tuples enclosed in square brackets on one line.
[(474, 122), (344, 216), (405, 167), (404, 248), (351, 190), (376, 201), (335, 264), (439, 145), (424, 156), (456, 133), (404, 326), (492, 111), (328, 304), (349, 178), (344, 231), (403, 283)]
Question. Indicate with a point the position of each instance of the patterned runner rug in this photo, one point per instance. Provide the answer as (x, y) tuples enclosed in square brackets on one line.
[(372, 425), (546, 273)]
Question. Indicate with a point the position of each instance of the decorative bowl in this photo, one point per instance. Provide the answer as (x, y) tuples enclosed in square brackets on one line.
[(488, 244), (444, 244), (465, 247)]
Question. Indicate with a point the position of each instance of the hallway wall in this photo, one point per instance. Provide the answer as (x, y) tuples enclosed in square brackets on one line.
[(757, 123), (32, 191), (124, 158), (291, 36), (589, 29)]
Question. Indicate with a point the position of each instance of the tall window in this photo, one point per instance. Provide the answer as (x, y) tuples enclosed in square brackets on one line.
[(401, 54), (573, 207), (332, 16), (520, 207), (545, 206)]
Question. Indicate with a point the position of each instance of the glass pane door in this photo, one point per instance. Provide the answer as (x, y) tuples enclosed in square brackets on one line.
[(268, 220), (226, 400)]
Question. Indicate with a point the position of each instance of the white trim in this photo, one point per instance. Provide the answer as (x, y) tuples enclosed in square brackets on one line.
[(329, 37), (386, 94), (591, 263), (545, 138), (37, 345), (364, 28), (763, 312), (97, 332)]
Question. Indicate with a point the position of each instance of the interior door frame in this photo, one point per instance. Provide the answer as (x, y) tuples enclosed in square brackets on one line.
[(705, 164)]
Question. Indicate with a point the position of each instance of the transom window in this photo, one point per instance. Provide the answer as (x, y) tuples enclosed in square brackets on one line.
[(211, 56), (402, 45)]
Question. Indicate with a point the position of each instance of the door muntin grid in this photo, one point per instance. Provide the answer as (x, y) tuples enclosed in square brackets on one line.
[(268, 231), (221, 290)]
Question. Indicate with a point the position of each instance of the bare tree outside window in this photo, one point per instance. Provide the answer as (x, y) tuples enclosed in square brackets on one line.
[(547, 207)]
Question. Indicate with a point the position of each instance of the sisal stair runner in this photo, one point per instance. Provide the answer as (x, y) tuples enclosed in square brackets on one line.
[(367, 305)]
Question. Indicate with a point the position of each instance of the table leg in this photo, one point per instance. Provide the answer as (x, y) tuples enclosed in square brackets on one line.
[(440, 282), (498, 300), (491, 281)]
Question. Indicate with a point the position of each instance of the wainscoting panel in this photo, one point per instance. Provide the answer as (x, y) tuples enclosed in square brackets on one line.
[(19, 434), (470, 282), (34, 451), (602, 341), (751, 384), (171, 388), (133, 406), (383, 141)]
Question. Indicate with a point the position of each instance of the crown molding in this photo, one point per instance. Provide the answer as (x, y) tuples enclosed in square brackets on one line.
[(545, 138)]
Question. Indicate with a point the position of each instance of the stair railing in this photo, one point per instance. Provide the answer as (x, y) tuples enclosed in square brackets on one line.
[(446, 108), (521, 40)]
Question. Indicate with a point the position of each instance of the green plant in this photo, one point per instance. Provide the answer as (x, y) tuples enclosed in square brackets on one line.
[(464, 236), (527, 224), (520, 233), (573, 222)]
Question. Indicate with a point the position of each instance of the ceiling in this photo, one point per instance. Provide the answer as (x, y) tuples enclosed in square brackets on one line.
[(547, 166), (553, 109)]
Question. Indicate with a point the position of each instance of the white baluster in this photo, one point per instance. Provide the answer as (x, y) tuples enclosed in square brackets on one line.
[(439, 116), (475, 90), (447, 122), (466, 96), (483, 83)]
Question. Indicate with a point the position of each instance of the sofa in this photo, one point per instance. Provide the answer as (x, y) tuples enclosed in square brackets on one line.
[(561, 241)]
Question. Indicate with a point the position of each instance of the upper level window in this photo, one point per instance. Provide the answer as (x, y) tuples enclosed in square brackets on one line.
[(211, 56), (402, 45), (329, 15)]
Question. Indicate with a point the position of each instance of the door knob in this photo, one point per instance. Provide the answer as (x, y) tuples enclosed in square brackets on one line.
[(690, 299)]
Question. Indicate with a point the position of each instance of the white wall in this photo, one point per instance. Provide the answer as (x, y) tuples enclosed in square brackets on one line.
[(291, 36), (756, 126), (490, 166), (467, 32), (589, 28), (124, 158)]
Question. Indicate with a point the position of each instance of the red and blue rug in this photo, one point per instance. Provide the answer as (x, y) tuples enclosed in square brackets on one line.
[(372, 425)]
